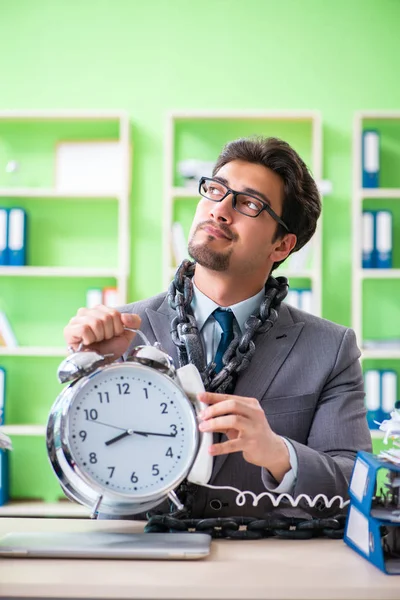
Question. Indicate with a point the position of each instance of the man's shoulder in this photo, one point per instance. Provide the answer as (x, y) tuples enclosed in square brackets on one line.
[(140, 307), (312, 322)]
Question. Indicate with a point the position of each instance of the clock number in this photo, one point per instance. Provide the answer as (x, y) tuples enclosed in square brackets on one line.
[(124, 387), (112, 469), (145, 393), (134, 477), (155, 471), (164, 408), (106, 395), (91, 415), (82, 435), (169, 452), (174, 429), (93, 458)]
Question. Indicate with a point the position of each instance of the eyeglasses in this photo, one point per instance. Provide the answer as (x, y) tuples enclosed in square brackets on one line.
[(246, 204)]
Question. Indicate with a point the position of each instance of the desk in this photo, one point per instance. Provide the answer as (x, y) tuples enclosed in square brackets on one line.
[(276, 569)]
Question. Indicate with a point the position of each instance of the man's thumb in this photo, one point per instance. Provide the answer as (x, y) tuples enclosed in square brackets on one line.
[(132, 322)]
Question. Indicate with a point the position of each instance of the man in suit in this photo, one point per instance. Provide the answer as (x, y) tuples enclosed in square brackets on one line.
[(293, 419)]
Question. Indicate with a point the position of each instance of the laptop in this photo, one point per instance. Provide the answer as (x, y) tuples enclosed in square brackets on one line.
[(150, 546)]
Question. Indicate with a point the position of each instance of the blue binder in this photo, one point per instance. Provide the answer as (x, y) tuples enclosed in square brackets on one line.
[(383, 239), (388, 393), (3, 236), (17, 237), (368, 239), (368, 522), (373, 391), (4, 459), (370, 158)]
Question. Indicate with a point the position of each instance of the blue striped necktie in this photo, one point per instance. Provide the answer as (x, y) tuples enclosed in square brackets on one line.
[(225, 319)]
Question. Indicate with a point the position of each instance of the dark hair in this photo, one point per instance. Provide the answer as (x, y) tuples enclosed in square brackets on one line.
[(301, 202)]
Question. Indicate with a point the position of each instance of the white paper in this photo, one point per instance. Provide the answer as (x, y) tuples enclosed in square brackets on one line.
[(358, 530), (89, 167), (359, 479)]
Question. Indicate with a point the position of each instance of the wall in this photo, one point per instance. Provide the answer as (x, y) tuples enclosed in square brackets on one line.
[(148, 57)]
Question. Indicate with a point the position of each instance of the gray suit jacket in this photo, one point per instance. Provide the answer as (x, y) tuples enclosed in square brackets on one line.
[(306, 375)]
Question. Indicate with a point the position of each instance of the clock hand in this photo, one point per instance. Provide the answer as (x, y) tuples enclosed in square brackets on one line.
[(146, 433), (107, 424), (121, 436)]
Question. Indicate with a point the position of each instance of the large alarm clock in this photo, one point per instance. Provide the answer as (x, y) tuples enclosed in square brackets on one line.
[(121, 437)]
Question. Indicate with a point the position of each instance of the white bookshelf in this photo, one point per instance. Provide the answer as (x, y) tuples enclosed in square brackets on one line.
[(359, 275), (60, 272), (117, 122), (62, 509), (26, 430), (44, 351), (172, 193)]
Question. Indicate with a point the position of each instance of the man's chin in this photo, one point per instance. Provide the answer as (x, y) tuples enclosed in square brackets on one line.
[(215, 261)]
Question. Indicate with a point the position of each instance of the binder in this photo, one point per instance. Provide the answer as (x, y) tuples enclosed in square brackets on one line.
[(2, 394), (306, 301), (3, 236), (4, 466), (370, 158), (7, 337), (293, 298), (388, 392), (383, 239), (4, 479), (368, 239), (110, 297), (94, 297), (179, 243), (17, 237), (372, 382)]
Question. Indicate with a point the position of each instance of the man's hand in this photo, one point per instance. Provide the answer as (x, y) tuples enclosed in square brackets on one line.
[(247, 429), (101, 329)]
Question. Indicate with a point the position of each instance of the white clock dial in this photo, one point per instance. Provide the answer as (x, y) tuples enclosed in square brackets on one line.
[(132, 431)]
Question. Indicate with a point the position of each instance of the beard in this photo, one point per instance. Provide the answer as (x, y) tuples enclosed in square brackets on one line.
[(204, 255), (208, 258)]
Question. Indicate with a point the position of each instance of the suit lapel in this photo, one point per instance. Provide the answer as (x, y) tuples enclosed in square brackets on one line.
[(272, 348), (160, 322)]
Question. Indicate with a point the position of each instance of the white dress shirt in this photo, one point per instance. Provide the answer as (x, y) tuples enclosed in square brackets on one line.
[(210, 333)]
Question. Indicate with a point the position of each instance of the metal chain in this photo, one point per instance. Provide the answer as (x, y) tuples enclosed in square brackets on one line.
[(186, 336), (248, 528)]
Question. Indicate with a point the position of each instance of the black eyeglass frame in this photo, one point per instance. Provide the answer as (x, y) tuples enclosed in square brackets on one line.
[(265, 206)]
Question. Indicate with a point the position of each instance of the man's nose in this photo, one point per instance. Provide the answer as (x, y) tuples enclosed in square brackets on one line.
[(222, 211)]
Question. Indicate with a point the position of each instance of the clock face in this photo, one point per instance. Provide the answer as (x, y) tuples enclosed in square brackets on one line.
[(131, 430)]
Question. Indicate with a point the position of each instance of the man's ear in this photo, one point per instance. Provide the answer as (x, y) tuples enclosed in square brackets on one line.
[(283, 247)]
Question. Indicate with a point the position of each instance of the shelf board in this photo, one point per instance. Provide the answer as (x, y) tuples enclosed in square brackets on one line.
[(379, 273), (24, 430), (53, 193), (63, 114), (300, 274), (381, 353), (383, 193), (279, 115), (33, 508), (378, 114), (184, 192), (58, 272), (45, 351), (376, 434)]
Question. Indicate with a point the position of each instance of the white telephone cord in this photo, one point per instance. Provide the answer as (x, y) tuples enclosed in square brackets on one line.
[(276, 500)]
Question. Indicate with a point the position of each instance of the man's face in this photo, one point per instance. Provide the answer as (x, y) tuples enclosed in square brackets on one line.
[(222, 239)]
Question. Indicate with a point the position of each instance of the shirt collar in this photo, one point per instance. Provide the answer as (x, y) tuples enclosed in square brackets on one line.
[(203, 307)]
